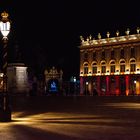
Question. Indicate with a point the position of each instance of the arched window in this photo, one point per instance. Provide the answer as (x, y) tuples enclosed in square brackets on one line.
[(122, 66), (112, 66), (103, 67), (86, 68), (132, 65), (94, 68)]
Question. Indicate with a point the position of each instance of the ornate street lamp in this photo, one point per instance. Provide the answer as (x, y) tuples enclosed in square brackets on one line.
[(5, 112)]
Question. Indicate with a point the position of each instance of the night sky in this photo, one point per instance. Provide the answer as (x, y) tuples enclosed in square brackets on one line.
[(47, 31)]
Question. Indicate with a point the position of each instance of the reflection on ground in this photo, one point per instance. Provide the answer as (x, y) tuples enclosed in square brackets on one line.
[(104, 121), (83, 119)]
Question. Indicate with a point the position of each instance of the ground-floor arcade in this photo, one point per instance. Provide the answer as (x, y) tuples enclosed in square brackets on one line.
[(110, 85)]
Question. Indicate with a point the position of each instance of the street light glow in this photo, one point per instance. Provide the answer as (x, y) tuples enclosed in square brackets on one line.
[(5, 28), (5, 25)]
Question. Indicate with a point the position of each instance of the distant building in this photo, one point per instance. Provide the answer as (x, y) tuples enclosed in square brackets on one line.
[(110, 66), (53, 81)]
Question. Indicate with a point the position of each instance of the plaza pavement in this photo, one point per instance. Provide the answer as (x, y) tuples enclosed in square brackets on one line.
[(73, 118)]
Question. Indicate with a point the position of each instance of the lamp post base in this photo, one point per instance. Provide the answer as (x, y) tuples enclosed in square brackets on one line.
[(5, 115), (5, 110)]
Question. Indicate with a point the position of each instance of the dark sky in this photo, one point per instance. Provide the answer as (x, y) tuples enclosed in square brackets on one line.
[(47, 31)]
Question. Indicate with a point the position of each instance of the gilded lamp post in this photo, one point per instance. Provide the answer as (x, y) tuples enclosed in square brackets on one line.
[(5, 112)]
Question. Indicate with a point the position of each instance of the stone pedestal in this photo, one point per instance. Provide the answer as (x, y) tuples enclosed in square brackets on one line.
[(17, 78)]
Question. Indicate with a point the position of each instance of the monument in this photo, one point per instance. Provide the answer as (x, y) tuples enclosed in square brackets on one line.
[(17, 78)]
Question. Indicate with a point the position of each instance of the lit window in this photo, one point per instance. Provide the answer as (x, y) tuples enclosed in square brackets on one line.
[(112, 67), (86, 68), (132, 65), (94, 68), (103, 67), (122, 66)]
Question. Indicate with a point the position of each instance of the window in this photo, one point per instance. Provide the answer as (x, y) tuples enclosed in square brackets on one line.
[(122, 53), (103, 67), (132, 52), (103, 54), (94, 68), (122, 66), (132, 65), (85, 56), (94, 55), (86, 68), (112, 54), (112, 67)]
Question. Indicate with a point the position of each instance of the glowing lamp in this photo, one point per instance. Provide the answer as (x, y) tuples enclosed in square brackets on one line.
[(74, 79), (108, 34), (86, 83), (99, 36), (138, 30), (4, 25), (127, 31), (117, 33)]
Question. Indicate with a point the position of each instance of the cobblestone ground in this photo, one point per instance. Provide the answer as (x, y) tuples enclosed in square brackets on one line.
[(73, 118)]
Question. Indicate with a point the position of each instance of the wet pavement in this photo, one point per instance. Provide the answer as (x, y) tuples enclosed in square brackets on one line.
[(73, 118)]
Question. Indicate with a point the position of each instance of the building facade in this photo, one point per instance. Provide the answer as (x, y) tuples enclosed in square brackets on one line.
[(110, 66)]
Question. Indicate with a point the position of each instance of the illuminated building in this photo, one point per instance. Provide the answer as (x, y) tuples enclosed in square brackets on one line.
[(110, 66)]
